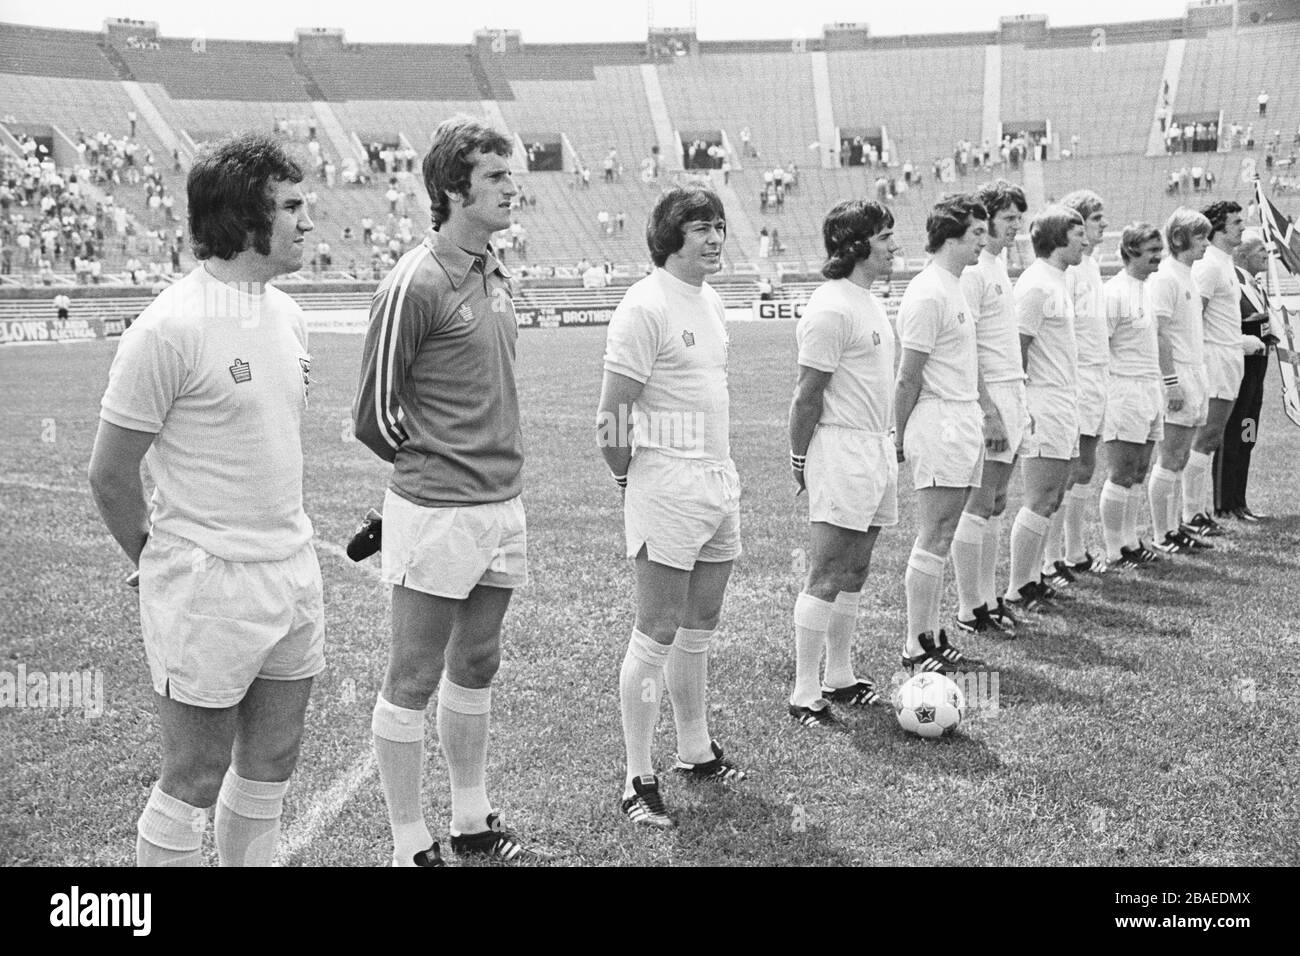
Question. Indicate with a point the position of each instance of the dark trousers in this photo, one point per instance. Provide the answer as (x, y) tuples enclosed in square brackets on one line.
[(1232, 460)]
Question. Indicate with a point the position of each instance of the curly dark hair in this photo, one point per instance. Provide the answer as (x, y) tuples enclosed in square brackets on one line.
[(1218, 213), (847, 232), (230, 194), (950, 218)]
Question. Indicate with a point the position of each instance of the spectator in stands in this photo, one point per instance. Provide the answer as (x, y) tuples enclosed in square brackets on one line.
[(131, 118), (367, 228), (764, 289), (621, 219), (323, 253), (392, 195), (745, 146), (61, 306), (586, 177), (7, 260), (1263, 103), (595, 278), (611, 158), (602, 219)]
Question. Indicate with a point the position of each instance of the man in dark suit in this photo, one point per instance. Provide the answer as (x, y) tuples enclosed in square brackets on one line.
[(1232, 461)]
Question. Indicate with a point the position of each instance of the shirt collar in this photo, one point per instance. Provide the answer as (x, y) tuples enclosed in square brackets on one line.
[(458, 263)]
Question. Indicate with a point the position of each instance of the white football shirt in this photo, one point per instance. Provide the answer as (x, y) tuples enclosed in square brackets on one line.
[(672, 336), (844, 330), (1045, 311), (1134, 348), (934, 318), (1216, 280), (987, 288), (1176, 302)]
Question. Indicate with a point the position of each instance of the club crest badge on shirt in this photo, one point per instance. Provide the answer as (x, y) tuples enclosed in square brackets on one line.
[(241, 372), (466, 313), (688, 337)]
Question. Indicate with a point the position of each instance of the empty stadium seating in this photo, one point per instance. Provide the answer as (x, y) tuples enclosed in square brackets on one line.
[(927, 91)]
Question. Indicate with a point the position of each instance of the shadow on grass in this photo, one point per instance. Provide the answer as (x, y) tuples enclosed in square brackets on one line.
[(875, 732), (744, 827)]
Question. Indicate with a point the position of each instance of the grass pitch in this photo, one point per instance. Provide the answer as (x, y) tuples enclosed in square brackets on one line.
[(1154, 723)]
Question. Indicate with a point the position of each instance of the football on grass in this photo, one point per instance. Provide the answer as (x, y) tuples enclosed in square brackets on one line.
[(929, 705)]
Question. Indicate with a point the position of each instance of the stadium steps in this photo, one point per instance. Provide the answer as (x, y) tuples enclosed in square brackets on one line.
[(825, 104), (1169, 78), (120, 65), (665, 135), (154, 120)]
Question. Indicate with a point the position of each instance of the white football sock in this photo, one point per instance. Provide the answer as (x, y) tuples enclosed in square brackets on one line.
[(921, 584), (1028, 532), (1195, 477), (967, 562), (399, 753), (988, 592), (812, 618), (463, 716), (640, 689), (1160, 491), (1076, 504), (1051, 550), (686, 674), (839, 640), (1114, 509), (248, 820), (1137, 496), (170, 832)]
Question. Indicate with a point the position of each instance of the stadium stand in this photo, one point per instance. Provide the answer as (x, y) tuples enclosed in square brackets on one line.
[(926, 91), (394, 71), (219, 69), (1124, 74), (64, 53), (775, 101)]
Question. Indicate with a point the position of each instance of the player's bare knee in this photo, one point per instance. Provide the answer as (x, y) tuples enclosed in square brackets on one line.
[(268, 760), (196, 782), (412, 688), (475, 667)]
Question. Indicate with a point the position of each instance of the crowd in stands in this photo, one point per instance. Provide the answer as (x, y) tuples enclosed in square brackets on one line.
[(1187, 180), (48, 222)]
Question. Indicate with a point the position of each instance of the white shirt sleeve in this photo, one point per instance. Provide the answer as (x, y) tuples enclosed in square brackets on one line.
[(145, 379), (632, 345)]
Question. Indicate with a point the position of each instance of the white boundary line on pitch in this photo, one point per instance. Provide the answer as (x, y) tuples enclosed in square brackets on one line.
[(323, 808)]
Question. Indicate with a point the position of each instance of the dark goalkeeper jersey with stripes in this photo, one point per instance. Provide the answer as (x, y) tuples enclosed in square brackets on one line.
[(437, 396)]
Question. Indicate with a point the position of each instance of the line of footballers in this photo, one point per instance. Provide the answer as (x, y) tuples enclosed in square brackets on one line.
[(989, 373), (994, 373)]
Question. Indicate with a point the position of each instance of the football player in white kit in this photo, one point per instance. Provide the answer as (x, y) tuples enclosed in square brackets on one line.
[(940, 421), (842, 451), (1216, 280), (1176, 303), (1135, 403), (1045, 314), (987, 289), (1090, 335), (666, 377)]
